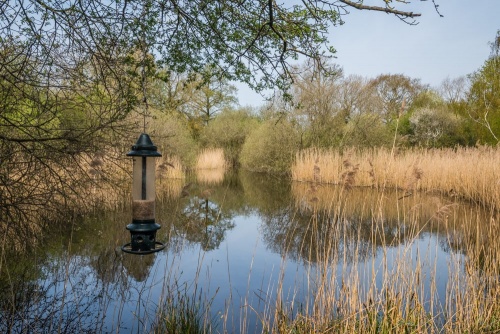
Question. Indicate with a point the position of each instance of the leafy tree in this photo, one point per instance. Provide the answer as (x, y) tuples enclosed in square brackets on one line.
[(366, 130), (271, 147), (238, 39), (434, 127), (484, 96), (206, 96), (72, 72), (229, 131), (172, 137), (51, 125), (198, 97), (167, 91)]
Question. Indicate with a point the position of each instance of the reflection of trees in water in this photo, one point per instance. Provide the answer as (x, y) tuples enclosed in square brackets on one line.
[(68, 293), (138, 266), (70, 288), (203, 215), (108, 265), (302, 223), (61, 299), (201, 221), (477, 237), (99, 240), (315, 237), (328, 222), (265, 193), (229, 194)]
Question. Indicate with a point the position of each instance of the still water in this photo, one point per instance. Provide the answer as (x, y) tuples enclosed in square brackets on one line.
[(236, 245)]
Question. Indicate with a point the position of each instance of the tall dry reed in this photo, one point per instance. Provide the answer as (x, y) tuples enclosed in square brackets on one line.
[(211, 158), (170, 167), (469, 173), (369, 272)]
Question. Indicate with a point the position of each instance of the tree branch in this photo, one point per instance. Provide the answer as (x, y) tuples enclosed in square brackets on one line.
[(387, 10)]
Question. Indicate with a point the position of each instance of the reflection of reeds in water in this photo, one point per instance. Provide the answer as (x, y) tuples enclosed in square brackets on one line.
[(169, 188), (170, 177), (210, 176), (366, 203), (369, 272), (33, 193)]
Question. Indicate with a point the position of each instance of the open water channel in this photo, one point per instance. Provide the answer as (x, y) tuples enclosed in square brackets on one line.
[(236, 245)]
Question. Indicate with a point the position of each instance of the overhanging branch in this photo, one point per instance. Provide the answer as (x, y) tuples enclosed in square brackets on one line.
[(387, 10)]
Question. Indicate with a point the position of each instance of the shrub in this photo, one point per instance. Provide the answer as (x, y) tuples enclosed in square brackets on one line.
[(271, 147), (229, 131), (171, 134), (434, 127), (367, 130)]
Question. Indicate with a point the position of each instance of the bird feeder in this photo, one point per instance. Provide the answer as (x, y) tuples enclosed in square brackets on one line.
[(143, 227)]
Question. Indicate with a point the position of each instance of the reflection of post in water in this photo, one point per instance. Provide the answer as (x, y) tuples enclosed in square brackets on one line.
[(204, 195), (138, 267)]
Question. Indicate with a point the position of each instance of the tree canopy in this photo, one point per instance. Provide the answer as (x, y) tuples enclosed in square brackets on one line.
[(250, 41), (484, 94)]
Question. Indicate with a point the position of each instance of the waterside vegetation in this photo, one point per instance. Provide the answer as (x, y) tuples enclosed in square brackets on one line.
[(471, 174), (359, 157)]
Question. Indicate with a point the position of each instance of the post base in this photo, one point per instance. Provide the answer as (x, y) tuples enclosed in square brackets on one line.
[(127, 248)]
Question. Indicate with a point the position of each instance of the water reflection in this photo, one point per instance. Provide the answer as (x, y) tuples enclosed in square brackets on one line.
[(210, 176), (202, 221), (237, 230), (352, 223)]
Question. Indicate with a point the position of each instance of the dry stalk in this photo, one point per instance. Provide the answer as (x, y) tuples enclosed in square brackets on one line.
[(371, 172), (348, 177)]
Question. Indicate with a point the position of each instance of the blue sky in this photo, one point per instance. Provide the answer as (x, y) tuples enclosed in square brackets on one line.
[(373, 43)]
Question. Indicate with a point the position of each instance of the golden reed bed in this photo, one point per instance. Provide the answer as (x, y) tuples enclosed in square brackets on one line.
[(470, 173)]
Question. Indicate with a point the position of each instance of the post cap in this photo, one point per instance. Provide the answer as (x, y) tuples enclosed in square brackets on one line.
[(144, 148)]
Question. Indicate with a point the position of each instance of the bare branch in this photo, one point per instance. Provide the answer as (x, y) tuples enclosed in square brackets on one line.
[(388, 10)]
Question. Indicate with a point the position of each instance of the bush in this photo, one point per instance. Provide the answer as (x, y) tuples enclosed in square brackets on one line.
[(271, 147), (435, 128), (229, 131), (171, 134), (367, 130)]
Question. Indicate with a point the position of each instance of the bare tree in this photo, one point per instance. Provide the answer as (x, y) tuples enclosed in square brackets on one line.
[(454, 90), (317, 103), (393, 91)]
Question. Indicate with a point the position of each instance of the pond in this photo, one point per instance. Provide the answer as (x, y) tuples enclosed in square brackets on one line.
[(242, 249)]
